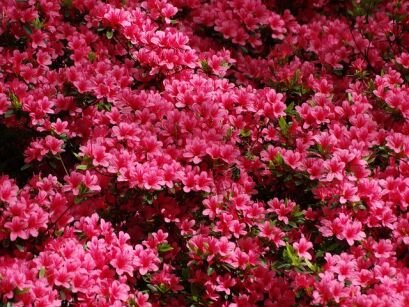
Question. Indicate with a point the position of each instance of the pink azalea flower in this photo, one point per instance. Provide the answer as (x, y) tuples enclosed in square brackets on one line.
[(302, 247)]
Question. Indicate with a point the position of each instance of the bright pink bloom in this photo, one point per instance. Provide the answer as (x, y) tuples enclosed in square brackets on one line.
[(302, 247)]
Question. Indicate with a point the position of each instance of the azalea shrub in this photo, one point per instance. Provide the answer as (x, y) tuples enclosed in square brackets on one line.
[(192, 153)]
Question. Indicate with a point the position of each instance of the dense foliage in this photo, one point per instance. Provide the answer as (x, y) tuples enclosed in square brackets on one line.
[(187, 153)]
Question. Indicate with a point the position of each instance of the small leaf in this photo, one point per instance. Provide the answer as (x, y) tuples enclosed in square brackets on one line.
[(78, 200), (249, 155), (290, 109), (229, 133), (104, 106), (110, 34), (283, 125), (162, 288), (210, 271), (338, 71), (132, 302), (59, 233), (41, 273), (92, 56), (224, 64), (25, 166), (38, 24), (235, 173), (8, 114), (292, 224), (311, 266), (27, 29), (15, 102), (245, 133), (21, 291), (152, 288), (164, 247), (292, 255), (20, 247), (295, 78), (67, 3), (77, 156), (82, 167), (205, 66), (278, 159), (245, 50)]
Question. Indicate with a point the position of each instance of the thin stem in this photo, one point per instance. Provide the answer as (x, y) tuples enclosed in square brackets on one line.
[(63, 165)]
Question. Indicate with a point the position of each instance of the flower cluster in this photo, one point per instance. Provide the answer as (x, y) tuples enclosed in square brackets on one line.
[(221, 152)]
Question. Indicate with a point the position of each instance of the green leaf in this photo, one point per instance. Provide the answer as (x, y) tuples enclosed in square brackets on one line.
[(205, 66), (245, 50), (164, 247), (15, 102), (77, 156), (224, 64), (249, 155), (227, 267), (82, 167), (41, 273), (292, 224), (229, 133), (104, 106), (152, 288), (110, 34), (235, 173), (311, 266), (245, 133), (8, 114), (20, 247), (132, 302), (67, 3), (78, 200), (290, 109), (283, 125), (59, 233), (195, 293), (295, 78), (210, 271), (92, 56), (338, 71), (162, 288), (21, 291), (292, 255), (38, 24), (27, 29), (278, 159)]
